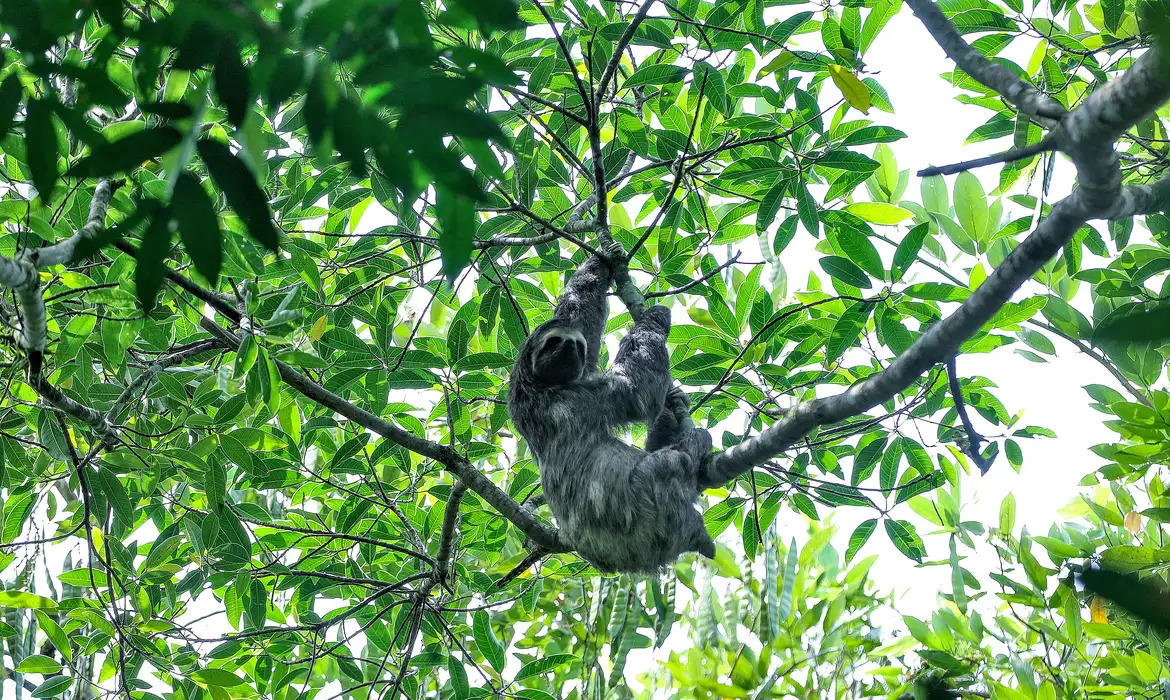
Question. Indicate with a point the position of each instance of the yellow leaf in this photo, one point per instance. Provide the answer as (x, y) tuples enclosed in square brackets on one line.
[(1097, 610), (619, 217), (855, 91), (318, 329), (1133, 522), (879, 213)]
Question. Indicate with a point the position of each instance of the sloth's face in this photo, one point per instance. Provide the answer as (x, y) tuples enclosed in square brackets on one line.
[(560, 356)]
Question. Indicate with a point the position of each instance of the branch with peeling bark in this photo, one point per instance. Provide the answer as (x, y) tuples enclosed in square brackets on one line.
[(21, 274)]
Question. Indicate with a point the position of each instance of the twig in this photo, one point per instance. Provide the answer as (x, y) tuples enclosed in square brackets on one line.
[(695, 283), (1048, 143), (533, 557), (974, 439)]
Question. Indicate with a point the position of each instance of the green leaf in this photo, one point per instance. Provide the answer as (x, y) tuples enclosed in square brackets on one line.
[(907, 251), (242, 192), (657, 74), (1144, 323), (842, 495), (770, 204), (53, 687), (958, 589), (712, 83), (54, 632), (217, 677), (905, 539), (846, 271), (879, 213), (198, 226), (232, 83), (971, 205), (848, 160), (788, 587), (40, 139), (847, 330), (456, 216), (152, 255), (127, 153), (937, 291), (486, 641), (855, 243), (37, 663), (459, 683), (872, 134), (854, 91), (1129, 558), (10, 92), (539, 666), (859, 537), (806, 209), (21, 599)]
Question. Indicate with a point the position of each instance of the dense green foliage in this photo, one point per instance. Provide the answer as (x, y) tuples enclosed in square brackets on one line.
[(371, 203)]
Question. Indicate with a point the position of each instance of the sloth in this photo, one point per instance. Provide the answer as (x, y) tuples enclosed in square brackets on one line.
[(624, 509)]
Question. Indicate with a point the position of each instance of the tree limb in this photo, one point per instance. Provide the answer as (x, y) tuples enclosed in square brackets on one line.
[(624, 41), (1089, 135), (974, 439), (1040, 107), (1047, 143), (451, 460)]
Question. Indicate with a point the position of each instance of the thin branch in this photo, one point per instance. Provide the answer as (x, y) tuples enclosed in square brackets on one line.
[(1048, 143), (568, 56), (451, 460), (447, 534), (533, 557), (695, 283), (974, 439), (620, 48)]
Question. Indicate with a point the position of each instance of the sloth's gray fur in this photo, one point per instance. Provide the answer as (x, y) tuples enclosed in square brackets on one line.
[(622, 508)]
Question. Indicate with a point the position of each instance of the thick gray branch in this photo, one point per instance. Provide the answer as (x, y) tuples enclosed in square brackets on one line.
[(1136, 200), (20, 275), (1089, 135), (1042, 108)]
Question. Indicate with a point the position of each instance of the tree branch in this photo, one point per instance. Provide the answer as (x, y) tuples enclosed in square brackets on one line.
[(1089, 133), (451, 460), (624, 41), (974, 439), (447, 534), (1047, 143), (1040, 107)]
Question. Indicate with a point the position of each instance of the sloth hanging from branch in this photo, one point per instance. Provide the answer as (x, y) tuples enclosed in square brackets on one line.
[(622, 508)]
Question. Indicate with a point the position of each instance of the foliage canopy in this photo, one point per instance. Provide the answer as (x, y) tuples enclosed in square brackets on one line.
[(270, 264)]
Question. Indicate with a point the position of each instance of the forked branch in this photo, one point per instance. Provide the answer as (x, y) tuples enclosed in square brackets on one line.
[(1089, 133)]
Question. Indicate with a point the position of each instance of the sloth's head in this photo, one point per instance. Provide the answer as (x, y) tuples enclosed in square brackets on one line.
[(556, 353)]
